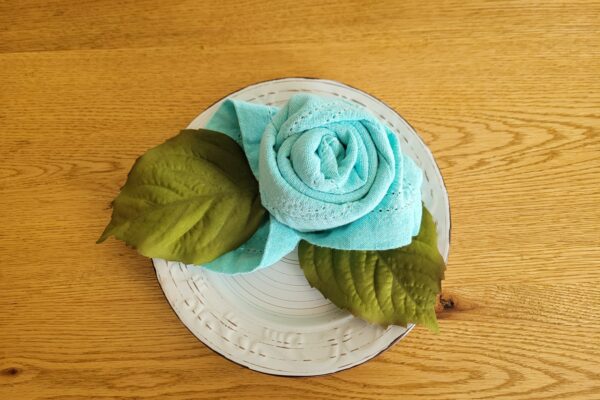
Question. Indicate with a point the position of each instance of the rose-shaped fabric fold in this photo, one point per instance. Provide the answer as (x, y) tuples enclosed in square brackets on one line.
[(324, 163), (329, 172)]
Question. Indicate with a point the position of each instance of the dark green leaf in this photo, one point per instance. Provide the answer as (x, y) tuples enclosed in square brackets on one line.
[(190, 199), (392, 287)]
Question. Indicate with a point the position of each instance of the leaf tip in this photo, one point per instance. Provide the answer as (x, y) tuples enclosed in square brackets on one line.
[(431, 324), (105, 235)]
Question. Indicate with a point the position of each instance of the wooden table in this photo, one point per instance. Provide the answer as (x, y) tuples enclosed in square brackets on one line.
[(506, 95)]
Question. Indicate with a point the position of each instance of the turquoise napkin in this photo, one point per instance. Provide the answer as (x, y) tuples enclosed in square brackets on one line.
[(329, 173)]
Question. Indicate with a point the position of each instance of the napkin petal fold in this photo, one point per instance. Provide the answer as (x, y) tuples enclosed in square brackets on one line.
[(245, 123), (269, 244)]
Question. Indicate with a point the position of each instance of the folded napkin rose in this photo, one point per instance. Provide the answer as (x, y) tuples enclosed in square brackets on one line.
[(323, 164), (329, 173)]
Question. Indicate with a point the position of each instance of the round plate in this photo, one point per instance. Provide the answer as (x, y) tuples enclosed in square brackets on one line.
[(271, 320)]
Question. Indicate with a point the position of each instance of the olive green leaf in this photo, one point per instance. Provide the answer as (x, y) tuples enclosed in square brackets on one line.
[(190, 199), (391, 287)]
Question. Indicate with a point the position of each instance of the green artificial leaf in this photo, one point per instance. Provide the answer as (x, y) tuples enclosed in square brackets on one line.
[(190, 199), (391, 287)]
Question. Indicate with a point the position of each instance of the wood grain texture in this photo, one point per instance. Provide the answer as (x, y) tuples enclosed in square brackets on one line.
[(506, 95)]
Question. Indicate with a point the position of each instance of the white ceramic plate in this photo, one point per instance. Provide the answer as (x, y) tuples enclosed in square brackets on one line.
[(271, 320)]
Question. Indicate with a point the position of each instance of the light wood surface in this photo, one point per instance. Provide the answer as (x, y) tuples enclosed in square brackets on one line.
[(506, 95)]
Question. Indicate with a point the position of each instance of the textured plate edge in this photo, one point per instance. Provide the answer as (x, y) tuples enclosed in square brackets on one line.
[(408, 329)]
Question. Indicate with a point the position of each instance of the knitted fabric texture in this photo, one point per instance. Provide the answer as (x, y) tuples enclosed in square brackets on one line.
[(329, 173)]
